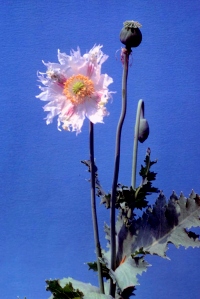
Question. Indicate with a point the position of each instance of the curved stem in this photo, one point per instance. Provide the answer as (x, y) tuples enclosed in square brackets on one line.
[(93, 206), (140, 114), (116, 167)]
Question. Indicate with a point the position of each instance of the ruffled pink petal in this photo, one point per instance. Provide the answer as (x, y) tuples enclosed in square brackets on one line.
[(73, 122), (95, 112)]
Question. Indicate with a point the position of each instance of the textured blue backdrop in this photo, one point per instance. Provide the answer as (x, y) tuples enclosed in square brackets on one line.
[(45, 223)]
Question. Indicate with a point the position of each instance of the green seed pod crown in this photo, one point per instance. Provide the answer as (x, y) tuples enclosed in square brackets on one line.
[(130, 34)]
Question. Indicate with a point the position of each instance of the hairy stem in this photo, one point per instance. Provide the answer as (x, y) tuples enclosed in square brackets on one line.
[(93, 206), (126, 53)]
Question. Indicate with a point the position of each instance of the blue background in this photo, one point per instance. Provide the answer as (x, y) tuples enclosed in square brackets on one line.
[(45, 223)]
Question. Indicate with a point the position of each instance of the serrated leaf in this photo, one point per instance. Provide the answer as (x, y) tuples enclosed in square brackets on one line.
[(66, 291), (133, 198), (66, 288), (104, 269), (164, 223), (145, 187), (127, 197), (127, 270), (106, 200), (125, 276), (128, 292), (99, 190), (92, 266)]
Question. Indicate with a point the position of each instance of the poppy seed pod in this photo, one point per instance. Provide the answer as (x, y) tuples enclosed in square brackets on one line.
[(130, 34), (143, 130)]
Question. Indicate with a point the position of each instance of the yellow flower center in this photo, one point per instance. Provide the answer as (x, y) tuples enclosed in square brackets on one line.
[(78, 88)]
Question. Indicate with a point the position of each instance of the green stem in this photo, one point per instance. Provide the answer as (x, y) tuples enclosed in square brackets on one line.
[(140, 114), (93, 206), (116, 168)]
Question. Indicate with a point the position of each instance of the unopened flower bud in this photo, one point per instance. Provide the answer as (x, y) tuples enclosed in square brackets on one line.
[(143, 130), (130, 34)]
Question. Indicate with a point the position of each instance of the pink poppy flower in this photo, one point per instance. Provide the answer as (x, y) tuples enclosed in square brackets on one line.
[(75, 89)]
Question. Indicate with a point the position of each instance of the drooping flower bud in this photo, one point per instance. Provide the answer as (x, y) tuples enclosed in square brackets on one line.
[(143, 130), (130, 34)]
